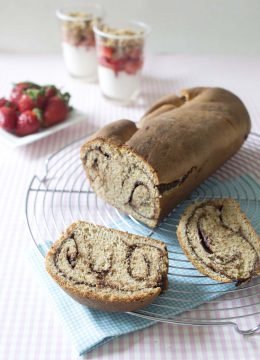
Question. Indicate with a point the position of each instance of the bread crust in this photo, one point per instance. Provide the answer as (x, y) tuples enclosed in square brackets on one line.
[(104, 300)]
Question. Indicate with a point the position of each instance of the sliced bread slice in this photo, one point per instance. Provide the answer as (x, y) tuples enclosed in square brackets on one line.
[(219, 240), (108, 269)]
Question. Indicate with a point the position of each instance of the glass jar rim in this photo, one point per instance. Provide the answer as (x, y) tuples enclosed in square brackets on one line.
[(146, 31), (63, 13)]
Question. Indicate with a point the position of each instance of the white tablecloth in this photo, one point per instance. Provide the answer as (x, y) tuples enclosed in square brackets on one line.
[(29, 326)]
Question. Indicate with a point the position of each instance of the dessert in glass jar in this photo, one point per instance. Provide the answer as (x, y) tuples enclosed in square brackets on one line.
[(120, 52), (78, 40)]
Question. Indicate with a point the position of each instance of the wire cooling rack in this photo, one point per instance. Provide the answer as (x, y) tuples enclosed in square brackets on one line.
[(63, 195)]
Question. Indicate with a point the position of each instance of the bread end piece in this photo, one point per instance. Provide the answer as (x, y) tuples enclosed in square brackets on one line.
[(218, 239), (145, 171)]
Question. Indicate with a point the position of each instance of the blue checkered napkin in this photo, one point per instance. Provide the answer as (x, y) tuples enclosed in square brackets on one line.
[(92, 328), (88, 328)]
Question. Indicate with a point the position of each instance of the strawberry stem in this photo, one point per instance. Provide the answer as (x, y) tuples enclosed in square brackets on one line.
[(34, 93), (39, 115)]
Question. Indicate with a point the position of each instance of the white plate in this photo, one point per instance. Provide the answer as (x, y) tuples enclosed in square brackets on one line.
[(15, 141)]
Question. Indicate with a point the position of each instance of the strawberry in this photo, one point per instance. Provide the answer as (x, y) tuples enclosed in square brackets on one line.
[(49, 91), (31, 98), (6, 103), (3, 102), (56, 110), (135, 53), (103, 61), (115, 64), (106, 52), (8, 118), (131, 67), (29, 122), (19, 88)]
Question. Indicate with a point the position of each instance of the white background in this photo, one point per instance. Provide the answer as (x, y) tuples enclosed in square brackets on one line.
[(179, 26)]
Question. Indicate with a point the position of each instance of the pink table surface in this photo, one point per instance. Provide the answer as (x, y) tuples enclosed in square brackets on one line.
[(29, 326)]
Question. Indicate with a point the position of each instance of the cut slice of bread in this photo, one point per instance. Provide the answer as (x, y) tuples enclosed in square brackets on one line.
[(108, 269), (219, 240)]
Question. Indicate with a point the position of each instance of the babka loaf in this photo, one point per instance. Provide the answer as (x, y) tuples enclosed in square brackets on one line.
[(147, 170), (219, 240), (108, 269)]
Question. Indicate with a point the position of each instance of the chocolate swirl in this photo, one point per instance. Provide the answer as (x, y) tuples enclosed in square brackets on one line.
[(121, 182), (99, 264), (125, 183)]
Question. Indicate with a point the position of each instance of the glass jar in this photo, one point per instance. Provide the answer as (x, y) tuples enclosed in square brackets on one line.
[(120, 53), (78, 40)]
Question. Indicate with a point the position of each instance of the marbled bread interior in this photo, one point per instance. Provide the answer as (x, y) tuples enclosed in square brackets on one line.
[(108, 269), (219, 240)]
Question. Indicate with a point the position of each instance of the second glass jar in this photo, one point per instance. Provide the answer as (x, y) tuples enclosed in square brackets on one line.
[(120, 54)]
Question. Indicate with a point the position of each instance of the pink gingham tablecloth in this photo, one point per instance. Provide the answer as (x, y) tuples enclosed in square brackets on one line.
[(29, 326)]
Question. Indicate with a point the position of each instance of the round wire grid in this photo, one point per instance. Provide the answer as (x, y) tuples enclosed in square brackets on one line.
[(64, 195)]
